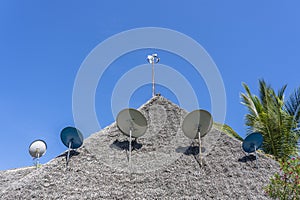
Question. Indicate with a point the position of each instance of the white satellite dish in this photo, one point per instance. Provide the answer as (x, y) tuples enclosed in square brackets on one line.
[(196, 125), (37, 149), (133, 124)]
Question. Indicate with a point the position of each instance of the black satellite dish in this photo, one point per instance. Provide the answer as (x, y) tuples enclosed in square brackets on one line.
[(196, 125), (37, 149), (253, 142), (72, 138), (132, 123)]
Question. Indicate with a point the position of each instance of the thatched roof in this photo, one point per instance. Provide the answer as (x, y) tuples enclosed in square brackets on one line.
[(165, 165)]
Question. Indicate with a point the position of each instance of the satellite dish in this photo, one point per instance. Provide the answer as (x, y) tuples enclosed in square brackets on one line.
[(131, 120), (196, 125), (197, 121), (253, 142), (37, 149), (72, 138), (133, 124)]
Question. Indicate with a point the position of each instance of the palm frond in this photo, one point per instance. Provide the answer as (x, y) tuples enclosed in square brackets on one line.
[(292, 105), (280, 92)]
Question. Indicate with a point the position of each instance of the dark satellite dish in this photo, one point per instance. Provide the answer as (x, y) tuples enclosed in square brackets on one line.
[(37, 149), (133, 124), (253, 142), (72, 138), (196, 125)]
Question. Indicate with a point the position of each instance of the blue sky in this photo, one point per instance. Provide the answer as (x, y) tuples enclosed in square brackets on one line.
[(43, 44)]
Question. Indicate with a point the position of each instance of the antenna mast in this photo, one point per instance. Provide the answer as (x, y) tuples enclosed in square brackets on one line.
[(153, 59)]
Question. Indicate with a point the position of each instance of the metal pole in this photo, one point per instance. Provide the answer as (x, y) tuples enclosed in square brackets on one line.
[(153, 84), (199, 137), (153, 59), (37, 160), (130, 132), (68, 156), (255, 156)]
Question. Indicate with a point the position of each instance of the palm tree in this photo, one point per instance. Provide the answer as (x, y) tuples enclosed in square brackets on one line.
[(292, 106), (276, 119)]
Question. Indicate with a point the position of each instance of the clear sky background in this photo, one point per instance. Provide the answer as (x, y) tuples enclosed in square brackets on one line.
[(43, 43)]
